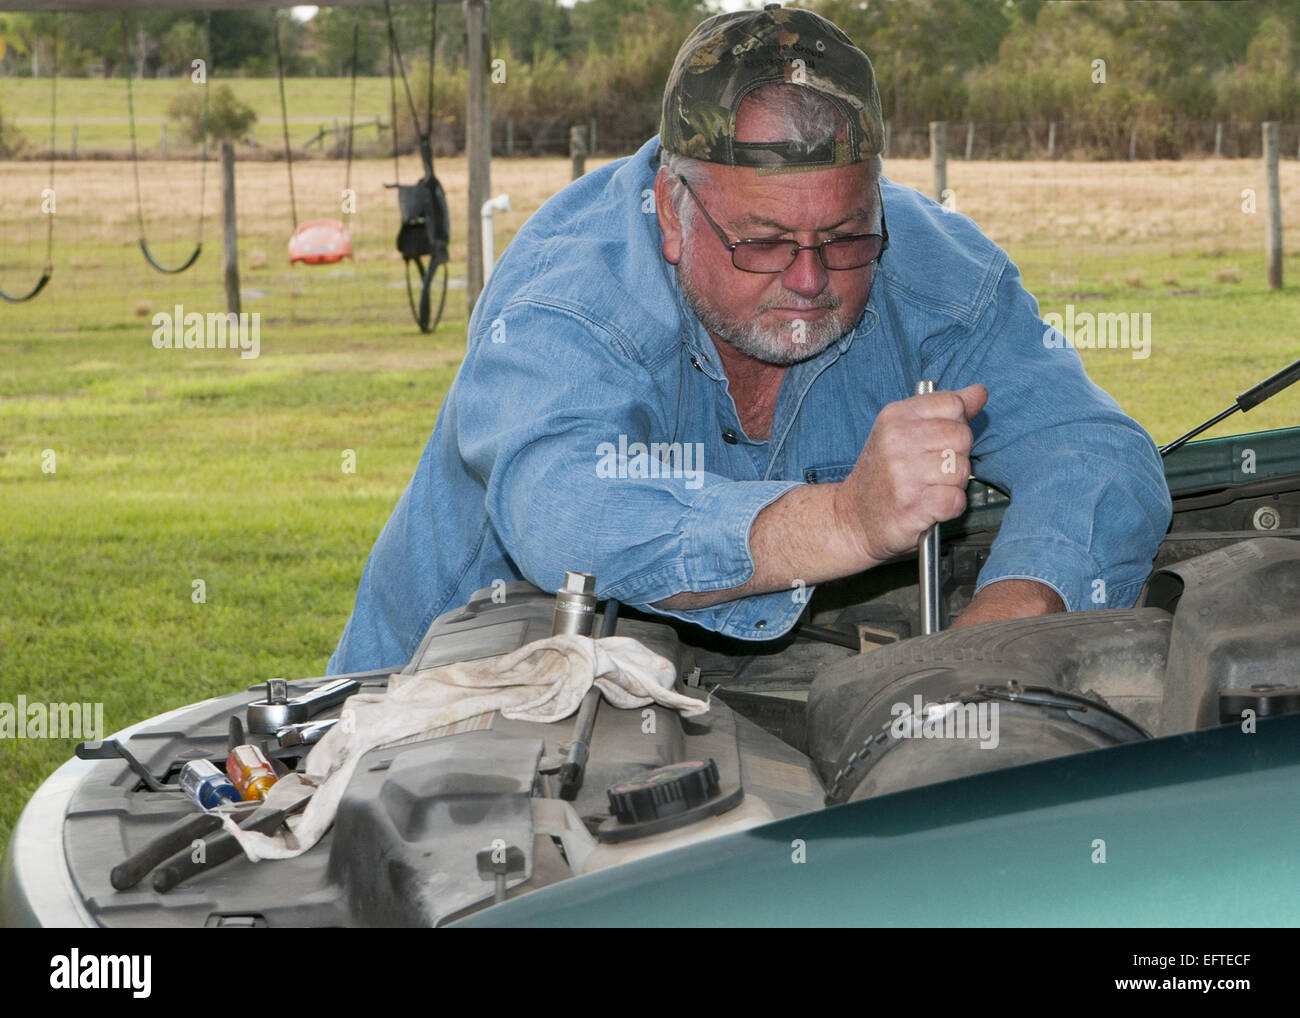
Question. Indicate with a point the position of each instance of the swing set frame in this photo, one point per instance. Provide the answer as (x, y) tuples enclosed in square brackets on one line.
[(477, 121)]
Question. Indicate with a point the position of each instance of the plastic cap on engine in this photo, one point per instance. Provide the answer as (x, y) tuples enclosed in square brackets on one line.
[(664, 791)]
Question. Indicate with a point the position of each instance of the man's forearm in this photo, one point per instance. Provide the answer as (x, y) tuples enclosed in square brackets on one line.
[(1010, 599), (911, 473), (797, 537)]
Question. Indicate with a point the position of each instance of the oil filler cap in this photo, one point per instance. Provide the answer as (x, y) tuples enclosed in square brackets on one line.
[(664, 791)]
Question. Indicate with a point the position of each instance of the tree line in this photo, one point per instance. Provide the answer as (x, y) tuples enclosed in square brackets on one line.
[(995, 62)]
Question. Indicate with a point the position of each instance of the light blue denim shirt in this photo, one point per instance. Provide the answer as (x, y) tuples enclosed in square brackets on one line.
[(590, 428)]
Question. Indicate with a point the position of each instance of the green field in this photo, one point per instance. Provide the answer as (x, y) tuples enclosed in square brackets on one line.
[(174, 466), (99, 109)]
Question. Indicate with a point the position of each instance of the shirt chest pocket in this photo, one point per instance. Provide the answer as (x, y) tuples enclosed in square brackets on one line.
[(827, 474)]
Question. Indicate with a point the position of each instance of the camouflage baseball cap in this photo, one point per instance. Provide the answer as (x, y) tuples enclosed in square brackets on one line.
[(730, 55)]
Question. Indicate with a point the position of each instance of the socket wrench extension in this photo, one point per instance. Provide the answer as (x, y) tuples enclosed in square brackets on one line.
[(306, 734), (278, 710), (927, 555)]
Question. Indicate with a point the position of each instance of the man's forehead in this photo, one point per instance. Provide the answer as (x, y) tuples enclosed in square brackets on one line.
[(813, 200), (860, 214)]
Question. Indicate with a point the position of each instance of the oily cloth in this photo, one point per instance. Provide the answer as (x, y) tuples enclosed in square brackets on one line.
[(544, 681)]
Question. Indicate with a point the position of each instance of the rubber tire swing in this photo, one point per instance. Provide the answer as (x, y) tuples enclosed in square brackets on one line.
[(425, 231)]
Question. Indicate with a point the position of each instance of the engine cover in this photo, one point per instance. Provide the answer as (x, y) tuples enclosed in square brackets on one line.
[(1236, 624)]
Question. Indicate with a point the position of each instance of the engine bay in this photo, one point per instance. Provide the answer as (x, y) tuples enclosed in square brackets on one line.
[(851, 704), (869, 695)]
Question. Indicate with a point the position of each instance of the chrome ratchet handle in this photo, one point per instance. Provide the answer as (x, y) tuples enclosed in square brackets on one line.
[(927, 554)]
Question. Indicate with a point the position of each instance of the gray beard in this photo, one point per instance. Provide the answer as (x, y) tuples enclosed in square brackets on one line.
[(781, 345)]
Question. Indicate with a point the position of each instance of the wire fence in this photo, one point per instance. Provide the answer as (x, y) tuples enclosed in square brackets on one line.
[(1093, 140), (1149, 226), (549, 136)]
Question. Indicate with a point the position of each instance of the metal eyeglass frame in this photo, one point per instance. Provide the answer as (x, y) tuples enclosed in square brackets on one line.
[(794, 251)]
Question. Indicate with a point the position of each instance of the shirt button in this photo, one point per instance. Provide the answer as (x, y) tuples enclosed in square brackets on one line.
[(729, 437), (760, 623), (695, 363)]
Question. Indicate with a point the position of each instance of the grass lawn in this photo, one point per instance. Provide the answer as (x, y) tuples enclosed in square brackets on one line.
[(172, 467), (99, 109)]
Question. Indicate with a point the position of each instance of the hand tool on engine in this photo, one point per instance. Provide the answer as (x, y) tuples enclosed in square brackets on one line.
[(266, 717), (203, 782), (110, 748), (927, 553), (180, 836), (250, 771), (575, 764), (221, 846), (306, 734), (575, 605)]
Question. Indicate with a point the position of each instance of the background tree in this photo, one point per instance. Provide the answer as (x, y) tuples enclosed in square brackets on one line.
[(228, 118)]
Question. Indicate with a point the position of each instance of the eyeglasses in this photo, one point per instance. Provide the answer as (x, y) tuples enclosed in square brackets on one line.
[(837, 254)]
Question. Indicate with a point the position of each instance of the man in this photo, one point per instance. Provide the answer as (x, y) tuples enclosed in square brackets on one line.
[(691, 373)]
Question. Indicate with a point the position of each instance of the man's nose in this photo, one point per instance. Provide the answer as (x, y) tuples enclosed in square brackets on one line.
[(806, 276)]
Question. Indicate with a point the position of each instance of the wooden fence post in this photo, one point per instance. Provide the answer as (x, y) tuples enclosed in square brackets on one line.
[(578, 149), (230, 240), (939, 157), (1273, 226)]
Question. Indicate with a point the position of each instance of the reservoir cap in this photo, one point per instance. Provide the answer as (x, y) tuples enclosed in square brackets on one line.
[(664, 791)]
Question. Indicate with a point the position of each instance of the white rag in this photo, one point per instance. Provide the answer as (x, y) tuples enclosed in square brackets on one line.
[(544, 681)]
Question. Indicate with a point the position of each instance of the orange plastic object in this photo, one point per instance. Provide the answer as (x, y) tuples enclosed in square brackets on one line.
[(250, 771), (320, 242)]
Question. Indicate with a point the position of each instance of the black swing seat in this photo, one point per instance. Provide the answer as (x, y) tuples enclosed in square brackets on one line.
[(148, 256), (425, 233), (40, 285)]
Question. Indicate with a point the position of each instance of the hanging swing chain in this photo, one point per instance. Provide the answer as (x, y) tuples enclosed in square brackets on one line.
[(352, 108), (130, 108), (207, 77), (426, 148), (54, 84), (47, 270), (392, 106), (284, 120), (433, 44)]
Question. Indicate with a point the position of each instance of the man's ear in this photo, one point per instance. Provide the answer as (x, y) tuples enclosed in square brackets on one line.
[(668, 221)]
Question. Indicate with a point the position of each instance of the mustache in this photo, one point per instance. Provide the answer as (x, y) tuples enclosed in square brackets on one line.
[(795, 303)]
